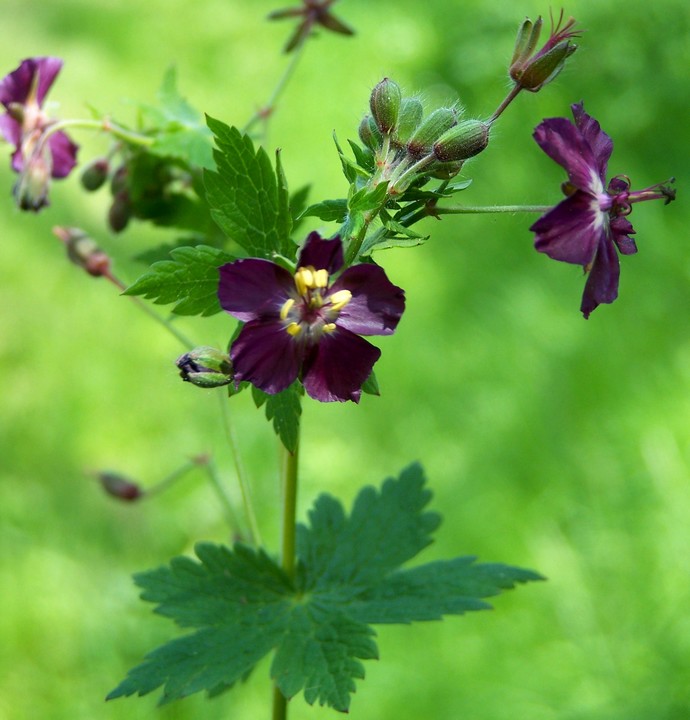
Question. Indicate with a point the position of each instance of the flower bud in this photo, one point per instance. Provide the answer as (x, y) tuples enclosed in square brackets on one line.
[(530, 70), (95, 174), (31, 189), (118, 182), (205, 367), (385, 104), (463, 141), (445, 170), (83, 251), (411, 112), (430, 131), (369, 133), (120, 211), (119, 487)]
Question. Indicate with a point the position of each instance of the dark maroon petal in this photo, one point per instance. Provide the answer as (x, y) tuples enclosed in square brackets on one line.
[(64, 153), (565, 144), (571, 231), (339, 367), (602, 281), (321, 254), (16, 86), (621, 229), (265, 355), (376, 305), (600, 143), (253, 288)]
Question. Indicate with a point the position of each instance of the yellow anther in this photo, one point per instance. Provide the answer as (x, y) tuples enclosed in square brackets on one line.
[(340, 299), (321, 278), (287, 306), (329, 328), (294, 329)]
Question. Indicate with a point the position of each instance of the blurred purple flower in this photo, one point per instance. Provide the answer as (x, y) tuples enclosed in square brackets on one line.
[(587, 227), (39, 153), (307, 325)]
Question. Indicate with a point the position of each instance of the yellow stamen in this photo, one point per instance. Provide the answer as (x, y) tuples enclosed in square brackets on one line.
[(285, 310), (340, 299), (321, 278), (294, 329), (329, 328), (304, 280)]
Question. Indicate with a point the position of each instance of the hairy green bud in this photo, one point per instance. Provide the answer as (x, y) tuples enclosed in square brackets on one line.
[(205, 367), (411, 112), (430, 130), (385, 104), (463, 141)]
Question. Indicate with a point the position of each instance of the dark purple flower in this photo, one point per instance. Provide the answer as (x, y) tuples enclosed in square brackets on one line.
[(587, 227), (307, 324), (39, 153)]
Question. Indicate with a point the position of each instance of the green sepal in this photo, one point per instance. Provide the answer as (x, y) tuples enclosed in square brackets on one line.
[(190, 280)]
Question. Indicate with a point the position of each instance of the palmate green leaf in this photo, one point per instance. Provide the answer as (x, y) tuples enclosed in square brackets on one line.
[(249, 200), (240, 605), (190, 280)]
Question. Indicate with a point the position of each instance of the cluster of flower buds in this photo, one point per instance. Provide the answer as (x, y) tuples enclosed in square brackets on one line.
[(408, 146)]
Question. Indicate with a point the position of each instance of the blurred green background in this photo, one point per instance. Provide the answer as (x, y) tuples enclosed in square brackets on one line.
[(550, 442)]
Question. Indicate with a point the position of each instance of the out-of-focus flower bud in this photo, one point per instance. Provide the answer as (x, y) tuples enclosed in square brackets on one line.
[(430, 130), (95, 174), (31, 189), (83, 251), (369, 133), (463, 141), (120, 211), (385, 104), (120, 487), (530, 70), (205, 367), (446, 170), (409, 117), (118, 182)]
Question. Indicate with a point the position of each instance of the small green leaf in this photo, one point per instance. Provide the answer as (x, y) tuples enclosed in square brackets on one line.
[(190, 280), (365, 199), (285, 409), (371, 385), (248, 200), (364, 157), (328, 210), (298, 204)]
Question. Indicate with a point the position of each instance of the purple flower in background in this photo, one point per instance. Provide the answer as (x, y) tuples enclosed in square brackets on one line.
[(307, 324), (591, 223), (39, 154)]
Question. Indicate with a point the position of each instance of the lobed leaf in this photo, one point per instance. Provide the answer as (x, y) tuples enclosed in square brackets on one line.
[(190, 280), (249, 201)]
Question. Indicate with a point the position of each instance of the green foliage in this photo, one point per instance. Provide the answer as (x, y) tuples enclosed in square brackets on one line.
[(284, 409), (249, 200), (179, 128), (241, 605), (328, 210), (190, 280)]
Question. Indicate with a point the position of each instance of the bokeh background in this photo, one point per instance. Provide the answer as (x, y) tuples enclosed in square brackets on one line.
[(551, 442)]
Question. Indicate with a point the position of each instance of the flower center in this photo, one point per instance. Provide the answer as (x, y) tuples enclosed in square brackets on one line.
[(313, 311)]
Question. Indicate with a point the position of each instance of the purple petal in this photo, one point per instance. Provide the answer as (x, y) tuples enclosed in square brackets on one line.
[(602, 281), (321, 254), (600, 143), (621, 229), (253, 288), (64, 153), (16, 87), (571, 231), (339, 367), (565, 144), (376, 305), (265, 355), (10, 129)]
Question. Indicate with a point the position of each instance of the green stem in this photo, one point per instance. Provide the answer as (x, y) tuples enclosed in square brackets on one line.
[(153, 315), (508, 99), (264, 112), (435, 211), (242, 477), (104, 125), (288, 472)]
